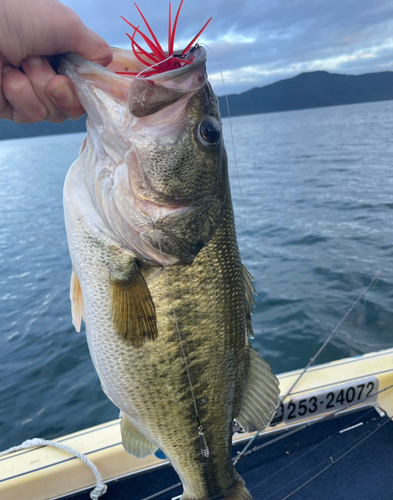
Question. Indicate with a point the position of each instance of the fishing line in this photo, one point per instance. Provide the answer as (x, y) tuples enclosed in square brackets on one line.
[(313, 359), (333, 462), (308, 451), (204, 447), (365, 300), (203, 444), (244, 452), (152, 66), (232, 142), (167, 490), (326, 417), (287, 434), (361, 315)]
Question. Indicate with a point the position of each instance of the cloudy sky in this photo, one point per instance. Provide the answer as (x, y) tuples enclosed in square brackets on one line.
[(257, 42)]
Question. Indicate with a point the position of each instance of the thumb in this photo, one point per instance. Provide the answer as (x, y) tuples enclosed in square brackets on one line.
[(47, 28)]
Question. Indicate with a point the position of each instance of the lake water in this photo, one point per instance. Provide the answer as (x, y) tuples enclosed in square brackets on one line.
[(317, 189)]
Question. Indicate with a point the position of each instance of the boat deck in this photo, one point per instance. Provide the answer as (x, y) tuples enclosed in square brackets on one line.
[(278, 470), (329, 439)]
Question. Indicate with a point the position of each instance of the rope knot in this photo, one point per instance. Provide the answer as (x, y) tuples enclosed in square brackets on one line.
[(98, 491)]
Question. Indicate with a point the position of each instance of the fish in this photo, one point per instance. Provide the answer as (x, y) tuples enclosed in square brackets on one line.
[(157, 275)]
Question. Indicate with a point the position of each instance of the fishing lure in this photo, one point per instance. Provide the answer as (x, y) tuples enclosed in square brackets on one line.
[(158, 60)]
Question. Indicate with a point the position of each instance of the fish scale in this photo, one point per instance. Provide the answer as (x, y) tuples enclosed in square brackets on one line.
[(166, 300)]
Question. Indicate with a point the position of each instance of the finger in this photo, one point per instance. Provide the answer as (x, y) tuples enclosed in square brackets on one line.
[(71, 34), (40, 72), (93, 48), (62, 94), (87, 43), (18, 91), (6, 111)]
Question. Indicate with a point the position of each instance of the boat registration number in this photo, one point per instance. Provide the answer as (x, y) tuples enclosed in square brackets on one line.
[(326, 400)]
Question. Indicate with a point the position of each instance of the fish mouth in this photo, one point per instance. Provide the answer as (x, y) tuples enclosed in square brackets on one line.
[(125, 65), (156, 62), (196, 57)]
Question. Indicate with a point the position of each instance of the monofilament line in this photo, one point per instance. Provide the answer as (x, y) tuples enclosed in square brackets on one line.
[(302, 455), (279, 438), (313, 449), (312, 360), (204, 448), (333, 462), (152, 66), (232, 140)]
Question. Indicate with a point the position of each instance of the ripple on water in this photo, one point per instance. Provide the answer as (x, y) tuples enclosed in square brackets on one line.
[(317, 188)]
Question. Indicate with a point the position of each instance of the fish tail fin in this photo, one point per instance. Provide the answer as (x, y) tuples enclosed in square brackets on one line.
[(237, 492)]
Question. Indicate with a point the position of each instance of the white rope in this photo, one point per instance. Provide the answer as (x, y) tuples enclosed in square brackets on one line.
[(100, 488)]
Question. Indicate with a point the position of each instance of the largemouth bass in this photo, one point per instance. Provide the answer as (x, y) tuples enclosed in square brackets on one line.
[(157, 273)]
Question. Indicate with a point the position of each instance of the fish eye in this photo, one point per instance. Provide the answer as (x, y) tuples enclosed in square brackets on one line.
[(209, 132)]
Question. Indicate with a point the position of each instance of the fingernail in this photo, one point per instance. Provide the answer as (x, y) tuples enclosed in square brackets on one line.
[(63, 94), (7, 68), (33, 61)]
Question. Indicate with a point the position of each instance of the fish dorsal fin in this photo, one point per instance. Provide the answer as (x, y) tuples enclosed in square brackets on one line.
[(261, 396), (77, 307), (133, 309), (133, 442), (249, 292)]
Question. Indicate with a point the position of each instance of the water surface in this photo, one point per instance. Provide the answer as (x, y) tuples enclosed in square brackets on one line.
[(317, 190)]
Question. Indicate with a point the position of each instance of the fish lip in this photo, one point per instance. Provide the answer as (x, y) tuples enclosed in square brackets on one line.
[(199, 54)]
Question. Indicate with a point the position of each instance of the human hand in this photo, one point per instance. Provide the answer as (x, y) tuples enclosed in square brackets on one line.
[(31, 32)]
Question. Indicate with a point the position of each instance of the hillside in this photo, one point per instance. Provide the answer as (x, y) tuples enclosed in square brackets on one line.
[(307, 90), (11, 130), (311, 90)]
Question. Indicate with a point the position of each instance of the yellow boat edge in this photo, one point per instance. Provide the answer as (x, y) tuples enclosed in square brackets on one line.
[(43, 473)]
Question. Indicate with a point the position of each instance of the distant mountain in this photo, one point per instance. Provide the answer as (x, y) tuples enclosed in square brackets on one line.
[(11, 130), (307, 90), (310, 90)]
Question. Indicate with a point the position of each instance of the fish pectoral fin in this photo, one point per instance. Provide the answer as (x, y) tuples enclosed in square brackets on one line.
[(261, 396), (133, 309), (83, 146), (77, 307), (133, 442), (249, 292)]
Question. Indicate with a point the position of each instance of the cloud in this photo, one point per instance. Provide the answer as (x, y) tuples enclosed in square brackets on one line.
[(257, 42)]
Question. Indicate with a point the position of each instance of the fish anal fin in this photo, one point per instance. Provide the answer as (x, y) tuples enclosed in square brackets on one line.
[(77, 307), (249, 292), (133, 441), (261, 396), (133, 309)]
